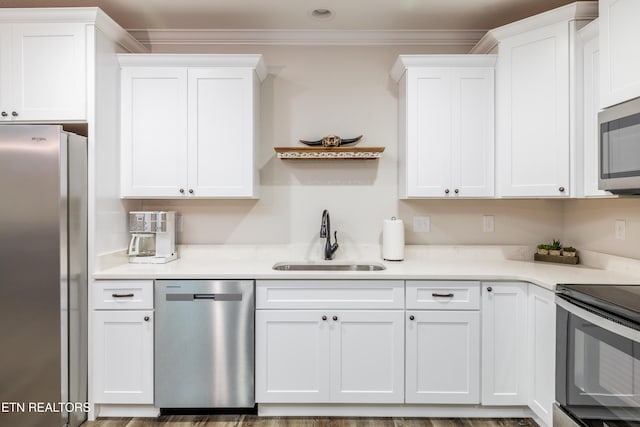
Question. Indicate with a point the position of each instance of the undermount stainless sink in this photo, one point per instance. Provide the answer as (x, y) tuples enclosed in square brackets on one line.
[(328, 266)]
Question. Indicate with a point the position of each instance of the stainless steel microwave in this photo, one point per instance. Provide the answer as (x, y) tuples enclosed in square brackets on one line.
[(619, 148)]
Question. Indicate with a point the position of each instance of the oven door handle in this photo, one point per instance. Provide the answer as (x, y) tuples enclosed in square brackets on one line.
[(602, 322)]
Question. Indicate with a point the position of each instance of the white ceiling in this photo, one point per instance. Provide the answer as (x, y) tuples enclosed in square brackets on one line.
[(295, 14)]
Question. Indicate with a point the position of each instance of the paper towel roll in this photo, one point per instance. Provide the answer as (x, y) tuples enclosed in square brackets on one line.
[(393, 239)]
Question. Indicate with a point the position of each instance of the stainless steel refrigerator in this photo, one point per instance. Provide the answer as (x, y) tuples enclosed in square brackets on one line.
[(43, 276)]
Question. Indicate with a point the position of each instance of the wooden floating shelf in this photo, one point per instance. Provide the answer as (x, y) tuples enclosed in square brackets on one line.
[(329, 153)]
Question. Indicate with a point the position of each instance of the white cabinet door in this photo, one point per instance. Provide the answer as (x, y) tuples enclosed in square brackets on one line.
[(591, 102), (367, 357), (504, 344), (292, 356), (49, 63), (123, 356), (472, 157), (443, 357), (533, 113), (620, 58), (429, 127), (6, 72), (542, 342), (448, 144), (154, 132), (221, 132)]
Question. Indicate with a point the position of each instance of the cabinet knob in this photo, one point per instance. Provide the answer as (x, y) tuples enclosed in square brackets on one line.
[(4, 114), (456, 191), (412, 317), (14, 114), (335, 318), (146, 318), (181, 191), (446, 191), (489, 289), (324, 317), (191, 191), (561, 189)]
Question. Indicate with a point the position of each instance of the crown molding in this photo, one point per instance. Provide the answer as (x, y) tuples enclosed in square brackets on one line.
[(254, 61), (405, 62), (578, 11), (152, 37)]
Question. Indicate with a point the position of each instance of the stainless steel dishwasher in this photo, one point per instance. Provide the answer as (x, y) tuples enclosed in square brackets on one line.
[(204, 344)]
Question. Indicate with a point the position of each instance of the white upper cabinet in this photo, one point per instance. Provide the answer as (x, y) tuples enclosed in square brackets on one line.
[(619, 54), (590, 59), (190, 125), (535, 101), (43, 70), (446, 125)]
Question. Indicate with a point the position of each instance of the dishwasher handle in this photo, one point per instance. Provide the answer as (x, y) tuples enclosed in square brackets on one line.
[(206, 297)]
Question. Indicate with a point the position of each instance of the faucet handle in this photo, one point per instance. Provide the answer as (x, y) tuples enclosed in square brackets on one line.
[(335, 236)]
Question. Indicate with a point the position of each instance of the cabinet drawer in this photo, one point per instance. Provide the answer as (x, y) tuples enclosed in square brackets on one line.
[(123, 295), (330, 294), (443, 295)]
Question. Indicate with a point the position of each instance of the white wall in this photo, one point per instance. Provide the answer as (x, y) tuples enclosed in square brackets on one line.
[(590, 224), (315, 91)]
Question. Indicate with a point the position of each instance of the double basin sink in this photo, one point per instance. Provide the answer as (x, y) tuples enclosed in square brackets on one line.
[(328, 266)]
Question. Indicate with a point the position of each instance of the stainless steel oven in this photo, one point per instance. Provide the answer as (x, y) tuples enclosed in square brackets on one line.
[(598, 355)]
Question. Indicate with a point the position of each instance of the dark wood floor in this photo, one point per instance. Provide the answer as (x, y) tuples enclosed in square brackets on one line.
[(252, 420)]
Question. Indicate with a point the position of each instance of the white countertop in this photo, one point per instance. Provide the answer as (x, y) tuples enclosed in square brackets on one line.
[(485, 263)]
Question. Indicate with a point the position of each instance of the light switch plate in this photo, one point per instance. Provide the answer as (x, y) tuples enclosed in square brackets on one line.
[(421, 224), (621, 229), (488, 225)]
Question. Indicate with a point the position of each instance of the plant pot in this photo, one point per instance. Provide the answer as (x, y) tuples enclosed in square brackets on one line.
[(568, 253), (554, 252), (543, 251)]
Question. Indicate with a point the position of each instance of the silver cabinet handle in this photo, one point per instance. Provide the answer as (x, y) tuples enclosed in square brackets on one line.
[(146, 318), (4, 114), (122, 295), (14, 114), (561, 189), (489, 289), (335, 318), (324, 317), (456, 191), (412, 317), (191, 191), (446, 191)]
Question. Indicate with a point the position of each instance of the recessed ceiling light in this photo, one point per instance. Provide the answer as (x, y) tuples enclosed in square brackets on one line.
[(322, 14)]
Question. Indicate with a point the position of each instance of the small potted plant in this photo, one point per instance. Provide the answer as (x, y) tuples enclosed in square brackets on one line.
[(569, 251), (543, 249), (556, 248)]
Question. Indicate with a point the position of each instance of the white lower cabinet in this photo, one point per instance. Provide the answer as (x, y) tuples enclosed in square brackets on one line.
[(328, 353), (122, 362), (324, 356), (292, 356), (441, 342), (443, 357), (504, 343), (542, 341)]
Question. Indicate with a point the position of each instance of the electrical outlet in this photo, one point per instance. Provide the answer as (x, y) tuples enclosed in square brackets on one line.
[(621, 229), (421, 224), (488, 223)]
